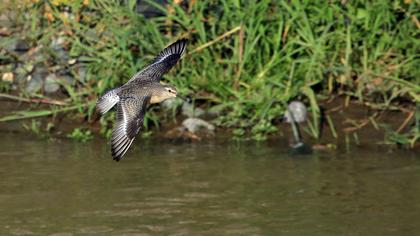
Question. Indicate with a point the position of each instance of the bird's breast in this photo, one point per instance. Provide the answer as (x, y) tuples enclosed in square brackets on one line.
[(156, 99)]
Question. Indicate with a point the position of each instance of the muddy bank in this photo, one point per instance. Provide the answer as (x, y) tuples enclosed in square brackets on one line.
[(344, 124)]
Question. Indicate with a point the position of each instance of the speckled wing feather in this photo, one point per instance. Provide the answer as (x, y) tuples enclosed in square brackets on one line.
[(130, 115), (162, 63)]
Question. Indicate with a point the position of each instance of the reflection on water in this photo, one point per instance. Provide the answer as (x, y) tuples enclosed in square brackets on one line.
[(64, 188)]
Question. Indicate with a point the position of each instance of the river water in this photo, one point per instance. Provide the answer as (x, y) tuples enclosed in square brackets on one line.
[(66, 188)]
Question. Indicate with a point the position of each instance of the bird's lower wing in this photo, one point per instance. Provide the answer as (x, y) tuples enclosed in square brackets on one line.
[(130, 115)]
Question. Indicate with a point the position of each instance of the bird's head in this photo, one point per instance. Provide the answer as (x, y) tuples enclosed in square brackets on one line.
[(162, 93), (170, 91)]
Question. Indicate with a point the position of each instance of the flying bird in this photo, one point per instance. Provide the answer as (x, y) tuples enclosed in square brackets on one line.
[(133, 97)]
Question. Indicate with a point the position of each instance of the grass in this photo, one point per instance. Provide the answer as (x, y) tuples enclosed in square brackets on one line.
[(246, 59)]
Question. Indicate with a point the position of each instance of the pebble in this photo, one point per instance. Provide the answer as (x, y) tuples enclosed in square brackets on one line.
[(7, 77)]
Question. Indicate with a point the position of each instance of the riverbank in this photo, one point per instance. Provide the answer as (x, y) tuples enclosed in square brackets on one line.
[(358, 59), (345, 125)]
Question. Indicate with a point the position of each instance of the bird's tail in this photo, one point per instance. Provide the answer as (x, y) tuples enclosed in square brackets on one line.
[(107, 101)]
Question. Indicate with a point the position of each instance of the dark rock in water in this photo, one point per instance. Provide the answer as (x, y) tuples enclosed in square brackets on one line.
[(300, 149), (51, 84)]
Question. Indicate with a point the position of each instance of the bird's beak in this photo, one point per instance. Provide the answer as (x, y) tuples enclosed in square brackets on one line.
[(182, 98)]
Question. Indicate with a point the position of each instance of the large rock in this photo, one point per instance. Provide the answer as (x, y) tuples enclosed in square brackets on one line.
[(191, 129), (298, 110), (195, 125)]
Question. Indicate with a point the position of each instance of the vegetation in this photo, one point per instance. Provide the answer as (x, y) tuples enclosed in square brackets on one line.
[(246, 59)]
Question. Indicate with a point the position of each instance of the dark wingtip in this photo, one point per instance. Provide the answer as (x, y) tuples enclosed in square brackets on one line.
[(182, 40), (178, 47), (115, 156)]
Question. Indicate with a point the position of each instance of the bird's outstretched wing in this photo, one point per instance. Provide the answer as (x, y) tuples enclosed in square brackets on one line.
[(162, 63), (130, 115)]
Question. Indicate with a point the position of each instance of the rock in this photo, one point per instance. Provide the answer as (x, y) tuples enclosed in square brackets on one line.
[(34, 84), (35, 81), (298, 110), (72, 61), (194, 125), (51, 84), (4, 31), (18, 46), (192, 129), (21, 45), (7, 77), (189, 110)]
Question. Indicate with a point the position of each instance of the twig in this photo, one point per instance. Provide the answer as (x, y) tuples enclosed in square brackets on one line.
[(416, 21), (34, 114), (358, 126), (34, 100), (208, 44), (240, 56), (404, 124)]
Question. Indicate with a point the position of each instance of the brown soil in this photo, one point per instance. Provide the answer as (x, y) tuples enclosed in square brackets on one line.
[(351, 120)]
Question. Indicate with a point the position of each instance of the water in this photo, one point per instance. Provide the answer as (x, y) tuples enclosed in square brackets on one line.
[(65, 188)]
